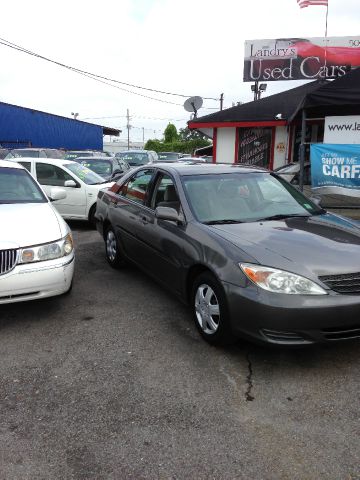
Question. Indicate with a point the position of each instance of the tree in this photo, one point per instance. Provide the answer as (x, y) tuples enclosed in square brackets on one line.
[(170, 134), (185, 142), (185, 134)]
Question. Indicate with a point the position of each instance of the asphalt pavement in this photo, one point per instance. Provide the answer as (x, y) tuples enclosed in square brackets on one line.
[(113, 382)]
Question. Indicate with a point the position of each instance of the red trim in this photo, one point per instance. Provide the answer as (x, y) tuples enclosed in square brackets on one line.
[(272, 148), (237, 135), (272, 123), (290, 144), (214, 144)]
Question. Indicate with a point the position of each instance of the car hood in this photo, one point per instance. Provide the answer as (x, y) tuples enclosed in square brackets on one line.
[(312, 246), (29, 224)]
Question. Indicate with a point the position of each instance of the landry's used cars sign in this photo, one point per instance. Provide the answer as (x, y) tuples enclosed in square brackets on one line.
[(300, 58), (335, 169)]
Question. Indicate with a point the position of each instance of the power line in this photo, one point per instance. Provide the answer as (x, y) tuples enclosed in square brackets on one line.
[(98, 77)]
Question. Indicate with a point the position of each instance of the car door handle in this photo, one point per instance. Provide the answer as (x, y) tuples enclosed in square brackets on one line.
[(144, 219)]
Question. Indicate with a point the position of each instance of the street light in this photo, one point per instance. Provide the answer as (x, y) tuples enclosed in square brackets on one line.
[(258, 89), (75, 115)]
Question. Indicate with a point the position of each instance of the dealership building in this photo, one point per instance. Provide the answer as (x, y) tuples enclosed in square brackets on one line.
[(26, 127), (267, 132)]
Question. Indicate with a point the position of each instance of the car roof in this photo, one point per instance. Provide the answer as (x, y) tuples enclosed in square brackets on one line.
[(134, 151), (10, 164), (90, 159), (52, 161), (183, 169)]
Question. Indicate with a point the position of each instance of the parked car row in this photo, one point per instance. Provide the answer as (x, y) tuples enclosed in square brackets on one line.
[(252, 255)]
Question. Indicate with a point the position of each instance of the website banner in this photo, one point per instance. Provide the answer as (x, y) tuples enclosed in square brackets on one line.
[(300, 58), (344, 130), (335, 169)]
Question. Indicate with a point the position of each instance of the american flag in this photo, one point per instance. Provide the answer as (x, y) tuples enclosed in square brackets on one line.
[(306, 3)]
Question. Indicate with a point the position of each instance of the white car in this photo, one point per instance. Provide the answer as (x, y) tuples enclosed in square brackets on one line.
[(80, 184), (36, 246)]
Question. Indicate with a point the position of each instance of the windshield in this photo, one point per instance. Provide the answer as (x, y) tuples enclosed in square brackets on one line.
[(23, 153), (84, 174), (134, 158), (45, 153), (72, 155), (244, 197), (165, 157), (101, 167), (18, 186)]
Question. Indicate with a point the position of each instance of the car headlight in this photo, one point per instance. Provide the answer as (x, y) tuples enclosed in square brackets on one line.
[(47, 251), (278, 281)]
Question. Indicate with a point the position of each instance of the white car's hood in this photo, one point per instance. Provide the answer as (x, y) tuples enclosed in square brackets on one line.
[(22, 225)]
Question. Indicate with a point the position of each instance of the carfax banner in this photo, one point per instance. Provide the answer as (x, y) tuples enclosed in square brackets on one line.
[(335, 169), (300, 58)]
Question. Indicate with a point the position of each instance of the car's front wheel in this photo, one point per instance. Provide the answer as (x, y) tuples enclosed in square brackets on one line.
[(210, 310), (112, 250)]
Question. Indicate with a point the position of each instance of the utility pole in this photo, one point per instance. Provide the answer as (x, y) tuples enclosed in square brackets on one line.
[(128, 128), (221, 101), (143, 129)]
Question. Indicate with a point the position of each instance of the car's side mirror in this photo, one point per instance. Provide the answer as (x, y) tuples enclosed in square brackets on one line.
[(70, 183), (168, 213), (57, 194)]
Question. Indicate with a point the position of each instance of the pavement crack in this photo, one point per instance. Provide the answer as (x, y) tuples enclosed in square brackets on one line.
[(249, 380)]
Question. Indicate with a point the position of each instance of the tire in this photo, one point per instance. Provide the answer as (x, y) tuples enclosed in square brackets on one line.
[(113, 252), (91, 217), (210, 310)]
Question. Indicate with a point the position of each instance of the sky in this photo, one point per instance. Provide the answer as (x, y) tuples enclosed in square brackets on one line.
[(192, 47)]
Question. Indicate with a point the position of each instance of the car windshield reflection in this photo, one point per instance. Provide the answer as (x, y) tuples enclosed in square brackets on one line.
[(239, 197), (17, 186), (85, 174)]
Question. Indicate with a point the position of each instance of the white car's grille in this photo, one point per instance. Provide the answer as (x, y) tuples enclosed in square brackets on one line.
[(8, 259)]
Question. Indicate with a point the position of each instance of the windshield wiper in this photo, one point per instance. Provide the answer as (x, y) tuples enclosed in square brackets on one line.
[(223, 222), (282, 216)]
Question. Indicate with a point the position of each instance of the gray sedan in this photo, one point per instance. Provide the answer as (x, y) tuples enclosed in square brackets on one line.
[(250, 254)]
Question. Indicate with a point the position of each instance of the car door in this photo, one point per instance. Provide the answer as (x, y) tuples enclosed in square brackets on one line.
[(162, 241), (74, 205), (126, 210)]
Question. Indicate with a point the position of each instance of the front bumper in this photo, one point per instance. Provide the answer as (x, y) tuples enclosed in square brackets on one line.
[(37, 280), (292, 319)]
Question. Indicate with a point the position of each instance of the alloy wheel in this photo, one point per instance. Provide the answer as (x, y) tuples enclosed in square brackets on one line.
[(111, 247), (207, 309)]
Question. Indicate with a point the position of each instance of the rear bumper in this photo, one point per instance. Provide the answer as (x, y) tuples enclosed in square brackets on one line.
[(38, 280), (293, 319)]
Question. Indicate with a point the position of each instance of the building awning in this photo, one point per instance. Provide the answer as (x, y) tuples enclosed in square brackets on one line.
[(319, 98), (266, 112), (115, 132)]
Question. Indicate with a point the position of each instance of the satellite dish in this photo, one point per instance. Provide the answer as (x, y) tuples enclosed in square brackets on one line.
[(193, 104)]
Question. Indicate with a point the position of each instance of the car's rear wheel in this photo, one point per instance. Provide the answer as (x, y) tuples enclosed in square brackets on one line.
[(112, 250), (92, 216), (210, 310)]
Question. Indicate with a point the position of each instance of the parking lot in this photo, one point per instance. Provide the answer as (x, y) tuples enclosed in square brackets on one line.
[(113, 382)]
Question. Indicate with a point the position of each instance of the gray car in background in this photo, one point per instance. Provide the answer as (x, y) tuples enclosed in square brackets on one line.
[(136, 158)]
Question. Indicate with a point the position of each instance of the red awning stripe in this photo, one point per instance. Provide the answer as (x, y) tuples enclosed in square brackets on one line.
[(273, 123)]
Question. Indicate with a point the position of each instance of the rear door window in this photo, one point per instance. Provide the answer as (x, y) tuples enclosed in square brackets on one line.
[(52, 175), (138, 186)]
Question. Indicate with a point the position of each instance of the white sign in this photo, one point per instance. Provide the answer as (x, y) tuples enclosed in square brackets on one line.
[(300, 58), (342, 130)]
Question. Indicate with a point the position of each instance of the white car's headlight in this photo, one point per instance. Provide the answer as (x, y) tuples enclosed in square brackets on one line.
[(278, 281), (47, 251)]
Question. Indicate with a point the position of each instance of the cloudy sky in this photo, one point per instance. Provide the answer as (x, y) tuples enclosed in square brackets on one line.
[(192, 47)]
